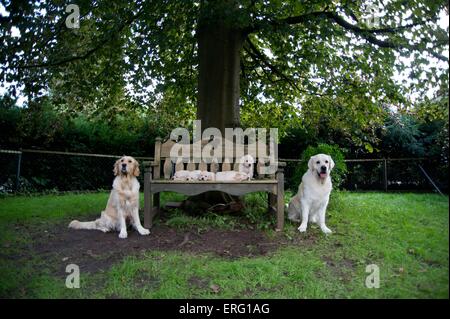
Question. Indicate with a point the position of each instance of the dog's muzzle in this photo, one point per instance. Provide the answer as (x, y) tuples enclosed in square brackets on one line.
[(323, 172), (124, 168)]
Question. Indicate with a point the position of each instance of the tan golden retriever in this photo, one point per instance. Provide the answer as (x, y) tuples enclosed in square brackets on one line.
[(123, 203)]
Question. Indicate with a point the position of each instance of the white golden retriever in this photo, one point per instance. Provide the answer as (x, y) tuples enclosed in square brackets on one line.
[(194, 175), (311, 201), (207, 176), (123, 203), (181, 175), (245, 172), (184, 175), (231, 176), (246, 165)]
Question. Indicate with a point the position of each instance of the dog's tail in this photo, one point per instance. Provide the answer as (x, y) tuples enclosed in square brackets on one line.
[(75, 224)]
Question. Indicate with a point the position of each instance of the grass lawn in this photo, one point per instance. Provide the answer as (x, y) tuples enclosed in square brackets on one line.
[(405, 235)]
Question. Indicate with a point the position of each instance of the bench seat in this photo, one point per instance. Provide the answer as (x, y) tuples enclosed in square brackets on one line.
[(157, 179)]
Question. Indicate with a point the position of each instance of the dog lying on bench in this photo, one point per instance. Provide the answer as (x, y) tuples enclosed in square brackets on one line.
[(245, 173)]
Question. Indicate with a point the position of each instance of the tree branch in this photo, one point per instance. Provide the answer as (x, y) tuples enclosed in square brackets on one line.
[(88, 53), (256, 54), (367, 34)]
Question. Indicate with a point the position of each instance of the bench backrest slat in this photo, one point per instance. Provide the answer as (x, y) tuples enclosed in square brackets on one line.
[(163, 160), (226, 166), (203, 166), (167, 168)]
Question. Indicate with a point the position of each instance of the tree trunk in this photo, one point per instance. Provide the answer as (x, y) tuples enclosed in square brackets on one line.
[(219, 48)]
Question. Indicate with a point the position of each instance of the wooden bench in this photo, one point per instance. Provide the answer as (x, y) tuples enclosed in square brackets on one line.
[(158, 173)]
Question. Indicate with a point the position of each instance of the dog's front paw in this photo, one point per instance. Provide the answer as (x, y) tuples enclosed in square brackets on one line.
[(326, 230), (302, 228), (144, 231), (123, 234)]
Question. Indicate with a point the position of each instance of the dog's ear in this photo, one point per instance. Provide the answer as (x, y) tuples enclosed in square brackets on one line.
[(116, 169), (136, 170), (331, 163), (311, 163)]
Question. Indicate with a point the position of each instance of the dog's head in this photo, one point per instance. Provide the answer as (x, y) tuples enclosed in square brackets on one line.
[(247, 161), (126, 165), (321, 164), (206, 176)]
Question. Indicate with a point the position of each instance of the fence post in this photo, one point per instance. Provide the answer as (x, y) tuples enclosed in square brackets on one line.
[(19, 162), (385, 175), (429, 178)]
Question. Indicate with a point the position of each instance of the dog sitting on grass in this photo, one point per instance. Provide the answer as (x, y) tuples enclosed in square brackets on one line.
[(123, 202), (311, 201)]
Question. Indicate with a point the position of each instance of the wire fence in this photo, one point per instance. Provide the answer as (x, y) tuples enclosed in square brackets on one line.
[(387, 174), (32, 171), (37, 171)]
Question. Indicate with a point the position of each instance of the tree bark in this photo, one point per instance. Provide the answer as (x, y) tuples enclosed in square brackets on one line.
[(219, 48)]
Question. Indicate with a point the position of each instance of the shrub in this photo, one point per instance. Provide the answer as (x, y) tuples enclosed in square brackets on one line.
[(339, 170)]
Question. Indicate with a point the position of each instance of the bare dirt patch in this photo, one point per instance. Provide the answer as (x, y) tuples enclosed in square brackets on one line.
[(95, 251), (341, 268)]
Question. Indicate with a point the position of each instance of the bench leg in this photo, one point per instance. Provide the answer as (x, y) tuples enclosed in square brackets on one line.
[(280, 201), (152, 210), (148, 211), (148, 200)]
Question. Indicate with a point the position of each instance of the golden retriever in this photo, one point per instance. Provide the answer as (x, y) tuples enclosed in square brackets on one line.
[(207, 176), (246, 163), (123, 203), (231, 176), (311, 201), (181, 175)]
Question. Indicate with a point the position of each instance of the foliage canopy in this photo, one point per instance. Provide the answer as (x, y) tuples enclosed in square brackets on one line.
[(301, 61)]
